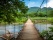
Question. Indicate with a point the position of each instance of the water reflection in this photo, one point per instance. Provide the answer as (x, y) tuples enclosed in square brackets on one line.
[(2, 39), (16, 28)]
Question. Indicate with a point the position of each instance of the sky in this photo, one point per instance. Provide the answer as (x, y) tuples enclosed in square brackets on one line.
[(49, 4), (37, 3)]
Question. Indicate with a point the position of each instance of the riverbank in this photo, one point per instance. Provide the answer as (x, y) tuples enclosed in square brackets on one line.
[(34, 19)]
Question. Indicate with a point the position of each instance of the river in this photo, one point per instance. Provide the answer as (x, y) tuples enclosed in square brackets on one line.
[(16, 28)]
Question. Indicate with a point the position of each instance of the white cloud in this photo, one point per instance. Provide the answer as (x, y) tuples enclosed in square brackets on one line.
[(49, 4), (31, 4)]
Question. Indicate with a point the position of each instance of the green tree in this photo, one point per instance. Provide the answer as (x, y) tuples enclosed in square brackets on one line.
[(9, 9), (40, 14), (50, 13), (48, 35)]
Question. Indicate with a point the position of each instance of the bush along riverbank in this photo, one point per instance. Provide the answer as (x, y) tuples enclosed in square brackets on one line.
[(34, 19), (48, 35)]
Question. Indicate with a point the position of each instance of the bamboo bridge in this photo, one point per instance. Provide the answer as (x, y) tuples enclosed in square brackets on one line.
[(29, 32)]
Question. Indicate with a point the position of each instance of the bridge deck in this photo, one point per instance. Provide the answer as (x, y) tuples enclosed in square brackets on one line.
[(29, 32)]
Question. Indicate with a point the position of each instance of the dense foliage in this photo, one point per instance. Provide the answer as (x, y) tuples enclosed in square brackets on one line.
[(41, 14), (9, 9), (12, 10), (48, 35)]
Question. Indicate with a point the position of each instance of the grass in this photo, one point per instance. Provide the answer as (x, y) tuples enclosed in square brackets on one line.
[(22, 20), (34, 19)]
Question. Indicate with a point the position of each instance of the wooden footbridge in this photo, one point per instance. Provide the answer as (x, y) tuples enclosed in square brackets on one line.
[(29, 32)]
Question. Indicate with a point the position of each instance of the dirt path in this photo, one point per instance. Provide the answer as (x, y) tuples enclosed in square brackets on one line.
[(29, 32)]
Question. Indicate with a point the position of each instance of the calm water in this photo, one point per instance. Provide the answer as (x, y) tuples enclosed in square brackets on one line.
[(16, 28)]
